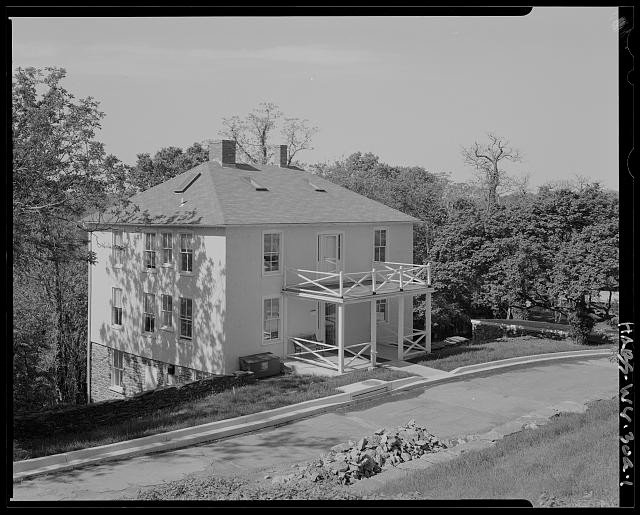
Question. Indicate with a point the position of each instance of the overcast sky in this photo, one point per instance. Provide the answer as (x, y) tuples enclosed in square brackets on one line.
[(410, 89)]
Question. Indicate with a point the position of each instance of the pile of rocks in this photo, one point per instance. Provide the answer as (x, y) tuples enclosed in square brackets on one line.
[(368, 456)]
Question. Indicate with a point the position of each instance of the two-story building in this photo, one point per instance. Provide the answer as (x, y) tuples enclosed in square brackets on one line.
[(229, 259)]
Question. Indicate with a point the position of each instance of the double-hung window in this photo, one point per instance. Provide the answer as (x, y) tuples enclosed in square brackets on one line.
[(382, 310), (167, 311), (117, 368), (271, 320), (186, 252), (186, 318), (150, 250), (117, 247), (380, 245), (149, 313), (116, 306), (167, 248), (271, 252)]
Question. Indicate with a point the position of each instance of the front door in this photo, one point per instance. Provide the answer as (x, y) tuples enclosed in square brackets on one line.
[(329, 252)]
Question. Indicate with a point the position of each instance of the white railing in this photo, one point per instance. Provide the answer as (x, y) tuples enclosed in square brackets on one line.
[(306, 350), (340, 284), (415, 340)]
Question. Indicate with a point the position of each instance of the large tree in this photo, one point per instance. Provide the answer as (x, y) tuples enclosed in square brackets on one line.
[(165, 164), (60, 171), (254, 137), (487, 160)]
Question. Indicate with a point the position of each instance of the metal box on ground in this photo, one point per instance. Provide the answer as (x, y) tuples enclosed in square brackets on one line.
[(264, 364)]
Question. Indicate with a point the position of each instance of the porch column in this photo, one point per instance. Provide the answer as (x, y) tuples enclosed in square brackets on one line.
[(427, 321), (285, 332), (401, 327), (374, 334), (340, 329)]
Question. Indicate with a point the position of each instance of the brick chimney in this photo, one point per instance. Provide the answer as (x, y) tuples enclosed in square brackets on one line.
[(280, 156), (223, 152)]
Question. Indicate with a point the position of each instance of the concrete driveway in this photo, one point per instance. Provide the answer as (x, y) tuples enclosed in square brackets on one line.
[(472, 406)]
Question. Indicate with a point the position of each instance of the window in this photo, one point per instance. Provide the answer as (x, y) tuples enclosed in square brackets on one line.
[(186, 253), (117, 247), (167, 248), (380, 245), (271, 252), (167, 311), (150, 377), (381, 310), (117, 368), (150, 250), (149, 312), (186, 318), (116, 308), (271, 319), (171, 374)]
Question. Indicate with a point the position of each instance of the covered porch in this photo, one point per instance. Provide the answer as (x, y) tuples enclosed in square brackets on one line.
[(387, 283)]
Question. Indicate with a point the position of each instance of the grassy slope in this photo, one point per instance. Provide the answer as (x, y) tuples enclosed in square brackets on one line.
[(473, 353), (264, 395), (572, 460)]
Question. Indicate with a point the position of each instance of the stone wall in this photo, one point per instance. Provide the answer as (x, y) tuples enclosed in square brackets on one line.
[(99, 414), (488, 330), (133, 380)]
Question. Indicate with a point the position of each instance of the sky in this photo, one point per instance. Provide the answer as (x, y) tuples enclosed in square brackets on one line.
[(412, 90)]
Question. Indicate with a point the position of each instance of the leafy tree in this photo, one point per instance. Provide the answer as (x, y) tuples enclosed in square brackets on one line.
[(166, 163), (412, 190), (253, 134), (60, 171)]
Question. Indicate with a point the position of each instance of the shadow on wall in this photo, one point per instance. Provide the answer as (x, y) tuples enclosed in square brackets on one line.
[(206, 288)]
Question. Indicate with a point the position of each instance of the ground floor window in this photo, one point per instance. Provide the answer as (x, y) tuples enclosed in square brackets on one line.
[(116, 307), (167, 311), (382, 311), (149, 312), (186, 318), (271, 320), (117, 368)]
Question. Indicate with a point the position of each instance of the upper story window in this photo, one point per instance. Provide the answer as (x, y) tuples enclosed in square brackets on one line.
[(167, 248), (380, 245), (271, 252), (149, 313), (117, 247), (271, 320), (116, 306), (186, 318), (150, 250), (186, 252)]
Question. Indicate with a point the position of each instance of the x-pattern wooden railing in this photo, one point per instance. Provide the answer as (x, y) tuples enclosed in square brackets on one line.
[(339, 284), (306, 345)]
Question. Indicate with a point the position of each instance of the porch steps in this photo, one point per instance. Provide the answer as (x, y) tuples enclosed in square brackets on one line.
[(365, 389)]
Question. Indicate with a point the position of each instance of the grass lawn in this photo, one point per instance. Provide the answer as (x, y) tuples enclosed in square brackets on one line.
[(265, 394), (572, 460), (471, 353)]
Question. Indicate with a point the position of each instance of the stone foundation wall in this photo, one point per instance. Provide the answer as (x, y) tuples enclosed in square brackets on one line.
[(99, 414), (133, 375), (488, 330)]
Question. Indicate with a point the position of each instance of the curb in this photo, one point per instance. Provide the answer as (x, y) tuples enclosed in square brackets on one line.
[(534, 358), (211, 431)]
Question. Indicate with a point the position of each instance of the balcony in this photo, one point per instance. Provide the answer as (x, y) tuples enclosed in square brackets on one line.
[(386, 279)]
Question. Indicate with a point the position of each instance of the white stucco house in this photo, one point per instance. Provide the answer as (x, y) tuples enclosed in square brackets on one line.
[(228, 260)]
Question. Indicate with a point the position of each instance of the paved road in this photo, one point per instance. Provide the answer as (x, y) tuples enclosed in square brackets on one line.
[(473, 406)]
